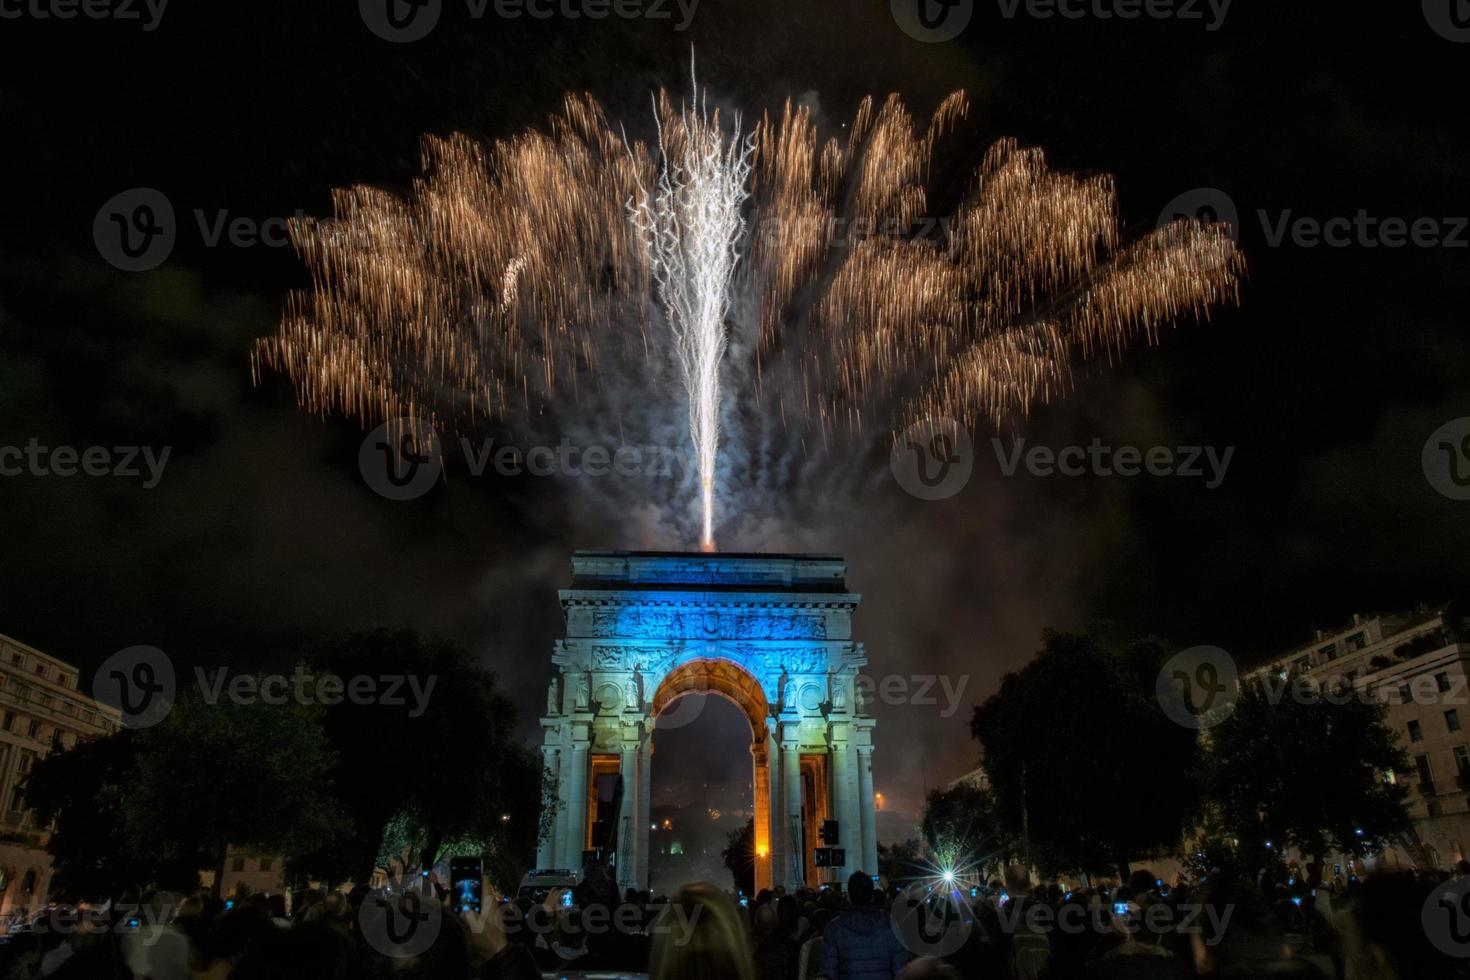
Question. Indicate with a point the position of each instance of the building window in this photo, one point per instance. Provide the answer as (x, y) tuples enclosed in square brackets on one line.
[(1416, 734), (1329, 652), (1406, 693), (41, 670), (266, 863), (1462, 758), (1357, 641), (18, 658), (17, 799), (1426, 773), (238, 864), (34, 729), (1452, 720), (9, 721), (1443, 681)]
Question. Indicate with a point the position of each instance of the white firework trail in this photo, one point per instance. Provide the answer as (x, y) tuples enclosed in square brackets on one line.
[(691, 227)]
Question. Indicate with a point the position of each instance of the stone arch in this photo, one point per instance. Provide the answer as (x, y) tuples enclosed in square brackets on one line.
[(717, 676), (771, 634)]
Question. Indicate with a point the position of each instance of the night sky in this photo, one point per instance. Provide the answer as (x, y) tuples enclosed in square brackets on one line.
[(1327, 381)]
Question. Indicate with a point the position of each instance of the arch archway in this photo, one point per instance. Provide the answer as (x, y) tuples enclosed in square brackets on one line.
[(770, 633), (728, 680)]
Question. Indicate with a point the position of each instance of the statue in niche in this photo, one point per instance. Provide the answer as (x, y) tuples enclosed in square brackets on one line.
[(839, 694), (785, 694), (635, 688), (632, 700), (553, 702), (584, 693)]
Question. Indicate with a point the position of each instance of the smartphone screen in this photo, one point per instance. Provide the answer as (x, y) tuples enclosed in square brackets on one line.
[(466, 883)]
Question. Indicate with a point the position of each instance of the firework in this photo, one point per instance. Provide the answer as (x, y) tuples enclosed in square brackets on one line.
[(691, 227), (516, 278)]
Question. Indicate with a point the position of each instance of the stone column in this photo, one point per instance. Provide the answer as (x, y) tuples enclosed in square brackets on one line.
[(791, 776), (849, 826), (850, 833), (576, 802), (641, 814), (775, 796), (760, 757), (546, 850), (867, 811), (627, 834)]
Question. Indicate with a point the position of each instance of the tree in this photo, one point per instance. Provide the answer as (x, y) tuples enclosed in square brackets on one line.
[(739, 856), (248, 774), (1082, 763), (1296, 766), (82, 791), (964, 830), (433, 772), (900, 861)]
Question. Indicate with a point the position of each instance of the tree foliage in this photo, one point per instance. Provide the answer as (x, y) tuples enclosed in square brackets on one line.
[(1078, 752), (441, 771), (963, 829), (82, 790), (739, 856), (249, 774), (1295, 766), (901, 860)]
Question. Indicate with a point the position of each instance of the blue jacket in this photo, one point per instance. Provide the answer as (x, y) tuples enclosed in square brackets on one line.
[(862, 945)]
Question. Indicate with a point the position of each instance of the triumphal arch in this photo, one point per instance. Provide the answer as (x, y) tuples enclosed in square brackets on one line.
[(771, 633)]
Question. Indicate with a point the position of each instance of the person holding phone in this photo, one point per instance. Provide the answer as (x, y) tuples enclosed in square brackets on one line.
[(492, 955)]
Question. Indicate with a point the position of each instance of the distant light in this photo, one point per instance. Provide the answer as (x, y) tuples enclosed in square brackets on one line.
[(1359, 831), (948, 877)]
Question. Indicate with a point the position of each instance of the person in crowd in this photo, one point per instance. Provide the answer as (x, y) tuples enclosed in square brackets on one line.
[(929, 968), (700, 938), (491, 953), (860, 944), (778, 955), (157, 948), (809, 962)]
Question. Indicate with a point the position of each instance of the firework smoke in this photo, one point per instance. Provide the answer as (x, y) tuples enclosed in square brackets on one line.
[(516, 282)]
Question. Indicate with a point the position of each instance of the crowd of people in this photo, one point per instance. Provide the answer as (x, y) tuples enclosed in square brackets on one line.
[(1010, 928)]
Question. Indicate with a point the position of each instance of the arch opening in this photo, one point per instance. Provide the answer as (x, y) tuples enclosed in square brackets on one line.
[(680, 702)]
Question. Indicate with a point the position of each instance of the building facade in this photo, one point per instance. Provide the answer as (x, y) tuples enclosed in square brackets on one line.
[(1418, 665), (771, 633), (40, 708)]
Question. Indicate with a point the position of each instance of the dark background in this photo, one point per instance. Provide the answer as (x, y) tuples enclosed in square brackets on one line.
[(1328, 379)]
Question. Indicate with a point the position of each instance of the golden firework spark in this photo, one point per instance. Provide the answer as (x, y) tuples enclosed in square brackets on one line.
[(513, 274)]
